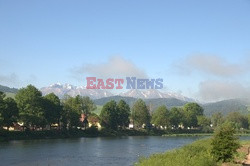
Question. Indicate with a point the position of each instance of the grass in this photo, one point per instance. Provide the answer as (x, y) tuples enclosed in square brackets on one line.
[(188, 134), (12, 95), (195, 154)]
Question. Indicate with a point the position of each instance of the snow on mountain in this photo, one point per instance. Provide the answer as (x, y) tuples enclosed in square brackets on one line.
[(62, 89), (153, 93)]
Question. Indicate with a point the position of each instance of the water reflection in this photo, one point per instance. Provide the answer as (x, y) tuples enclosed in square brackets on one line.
[(87, 151)]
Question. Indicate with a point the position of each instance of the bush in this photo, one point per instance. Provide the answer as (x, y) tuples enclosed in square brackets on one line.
[(224, 143)]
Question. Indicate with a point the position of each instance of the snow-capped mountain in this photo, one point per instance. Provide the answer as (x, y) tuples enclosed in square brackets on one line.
[(153, 93), (62, 89)]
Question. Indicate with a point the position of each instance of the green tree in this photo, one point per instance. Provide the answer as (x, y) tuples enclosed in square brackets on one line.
[(191, 111), (239, 120), (2, 106), (161, 117), (53, 108), (217, 119), (140, 114), (30, 104), (109, 115), (203, 121), (176, 116), (88, 106), (71, 112), (123, 111), (224, 143), (10, 113)]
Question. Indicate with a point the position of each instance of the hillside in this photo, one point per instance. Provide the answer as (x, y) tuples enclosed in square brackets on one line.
[(6, 89), (227, 106)]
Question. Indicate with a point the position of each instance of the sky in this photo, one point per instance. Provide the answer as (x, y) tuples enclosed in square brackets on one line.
[(201, 49)]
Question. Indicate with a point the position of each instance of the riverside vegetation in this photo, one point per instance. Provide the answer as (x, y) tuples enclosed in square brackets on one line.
[(221, 148), (37, 116), (50, 117)]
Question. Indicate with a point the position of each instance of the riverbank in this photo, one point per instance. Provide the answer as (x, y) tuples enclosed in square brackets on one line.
[(74, 133), (195, 154), (93, 132)]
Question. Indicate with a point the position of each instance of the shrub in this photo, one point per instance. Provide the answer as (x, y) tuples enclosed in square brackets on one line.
[(224, 143)]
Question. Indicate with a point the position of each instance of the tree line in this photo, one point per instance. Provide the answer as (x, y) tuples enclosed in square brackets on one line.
[(36, 112)]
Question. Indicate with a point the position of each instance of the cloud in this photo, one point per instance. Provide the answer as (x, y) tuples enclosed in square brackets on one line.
[(115, 67), (13, 80), (211, 64), (214, 90), (9, 80)]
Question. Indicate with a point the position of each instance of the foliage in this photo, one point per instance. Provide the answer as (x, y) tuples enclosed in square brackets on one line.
[(224, 143), (195, 154), (109, 115), (191, 111), (10, 113), (176, 116), (30, 104), (203, 121), (87, 104), (53, 108), (238, 120), (7, 89), (140, 114), (160, 117), (123, 111), (2, 106), (71, 112), (217, 119)]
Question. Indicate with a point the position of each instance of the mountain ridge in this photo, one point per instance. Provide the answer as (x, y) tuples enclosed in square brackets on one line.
[(62, 89), (224, 106)]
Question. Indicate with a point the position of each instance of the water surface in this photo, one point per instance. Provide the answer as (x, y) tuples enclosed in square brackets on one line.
[(103, 151)]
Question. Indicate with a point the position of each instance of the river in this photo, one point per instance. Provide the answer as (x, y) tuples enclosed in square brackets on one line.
[(121, 151)]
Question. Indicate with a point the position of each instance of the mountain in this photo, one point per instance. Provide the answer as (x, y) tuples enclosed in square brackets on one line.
[(153, 94), (6, 89), (61, 90), (227, 106), (104, 100), (152, 97), (152, 103)]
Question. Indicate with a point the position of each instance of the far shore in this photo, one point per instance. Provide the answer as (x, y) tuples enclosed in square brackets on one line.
[(74, 133)]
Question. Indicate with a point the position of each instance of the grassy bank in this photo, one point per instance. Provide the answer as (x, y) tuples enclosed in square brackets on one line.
[(195, 154)]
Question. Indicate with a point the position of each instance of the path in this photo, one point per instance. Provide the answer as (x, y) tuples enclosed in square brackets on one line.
[(247, 160)]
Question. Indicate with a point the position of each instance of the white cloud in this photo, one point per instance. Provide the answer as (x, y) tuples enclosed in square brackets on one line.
[(213, 65), (9, 80), (214, 90), (115, 67)]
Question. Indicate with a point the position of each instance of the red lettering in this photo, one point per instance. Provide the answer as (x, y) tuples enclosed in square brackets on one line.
[(119, 81), (90, 82), (110, 84), (100, 84)]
